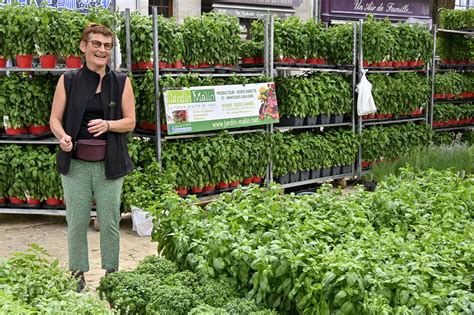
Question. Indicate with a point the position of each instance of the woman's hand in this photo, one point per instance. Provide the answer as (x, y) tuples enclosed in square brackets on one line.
[(66, 143), (98, 127)]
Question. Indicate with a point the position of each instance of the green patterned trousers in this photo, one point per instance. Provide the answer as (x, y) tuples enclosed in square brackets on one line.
[(86, 181)]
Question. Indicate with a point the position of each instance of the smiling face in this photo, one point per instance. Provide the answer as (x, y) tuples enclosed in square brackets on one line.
[(97, 56)]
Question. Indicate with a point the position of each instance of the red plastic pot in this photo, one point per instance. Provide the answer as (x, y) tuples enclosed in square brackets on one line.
[(371, 116), (209, 187), (420, 63), (48, 61), (143, 65), (182, 191), (234, 184), (204, 65), (290, 60), (192, 67), (73, 62), (163, 127), (438, 96), (312, 61), (3, 200), (248, 60), (373, 64), (16, 201), (162, 65), (196, 190), (16, 131), (382, 64), (450, 96), (365, 164), (36, 130), (218, 65), (51, 201), (397, 64), (301, 60), (179, 64), (3, 62), (134, 66), (405, 63), (322, 61), (33, 201), (365, 63), (452, 122), (24, 61), (412, 63), (388, 115), (256, 179), (259, 59), (247, 181), (389, 63), (222, 185)]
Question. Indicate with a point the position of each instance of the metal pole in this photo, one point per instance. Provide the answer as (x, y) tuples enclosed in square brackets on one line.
[(359, 118), (266, 20), (157, 85), (114, 27), (272, 24), (354, 82), (430, 111), (128, 45)]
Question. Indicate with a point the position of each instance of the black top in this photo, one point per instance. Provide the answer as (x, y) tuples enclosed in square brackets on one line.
[(81, 85), (93, 111)]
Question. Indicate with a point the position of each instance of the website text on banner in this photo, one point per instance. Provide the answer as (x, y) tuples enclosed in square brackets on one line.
[(207, 108)]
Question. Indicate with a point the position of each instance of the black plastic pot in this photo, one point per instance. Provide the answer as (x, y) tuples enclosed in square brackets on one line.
[(310, 120), (291, 121), (295, 177), (285, 179), (326, 172), (337, 119), (304, 175), (346, 169), (335, 170), (324, 119), (315, 173)]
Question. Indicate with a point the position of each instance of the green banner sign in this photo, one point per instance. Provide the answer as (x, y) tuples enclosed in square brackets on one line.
[(220, 107)]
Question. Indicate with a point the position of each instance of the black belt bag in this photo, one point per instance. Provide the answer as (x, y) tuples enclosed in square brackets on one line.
[(91, 150)]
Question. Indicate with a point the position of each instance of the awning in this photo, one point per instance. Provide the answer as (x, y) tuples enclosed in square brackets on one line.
[(251, 12)]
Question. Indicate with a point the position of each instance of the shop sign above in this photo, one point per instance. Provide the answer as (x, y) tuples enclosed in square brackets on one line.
[(79, 5), (276, 3), (355, 9)]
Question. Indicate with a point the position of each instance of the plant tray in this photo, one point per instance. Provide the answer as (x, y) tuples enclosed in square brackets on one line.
[(202, 70), (26, 136), (457, 66), (173, 70), (22, 206)]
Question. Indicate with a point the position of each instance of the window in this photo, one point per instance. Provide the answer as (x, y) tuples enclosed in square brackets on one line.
[(165, 7), (464, 4)]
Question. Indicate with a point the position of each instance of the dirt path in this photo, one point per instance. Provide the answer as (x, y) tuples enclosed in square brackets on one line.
[(18, 231)]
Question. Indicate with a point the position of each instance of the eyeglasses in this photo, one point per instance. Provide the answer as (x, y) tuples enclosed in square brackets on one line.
[(97, 44)]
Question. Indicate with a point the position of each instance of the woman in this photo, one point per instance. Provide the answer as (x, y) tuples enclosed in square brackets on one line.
[(93, 108)]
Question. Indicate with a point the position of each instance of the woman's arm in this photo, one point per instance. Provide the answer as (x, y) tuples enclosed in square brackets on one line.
[(126, 124), (56, 117)]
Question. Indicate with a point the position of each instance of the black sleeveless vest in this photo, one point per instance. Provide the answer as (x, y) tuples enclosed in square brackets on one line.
[(80, 84)]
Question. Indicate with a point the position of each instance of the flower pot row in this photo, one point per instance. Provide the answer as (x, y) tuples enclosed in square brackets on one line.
[(32, 130), (304, 175), (453, 122), (144, 65), (455, 62), (395, 64), (321, 119), (52, 201), (313, 61), (414, 113), (47, 61), (209, 188), (453, 96)]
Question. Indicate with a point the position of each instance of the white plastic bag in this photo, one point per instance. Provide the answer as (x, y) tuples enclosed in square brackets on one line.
[(365, 100), (142, 222)]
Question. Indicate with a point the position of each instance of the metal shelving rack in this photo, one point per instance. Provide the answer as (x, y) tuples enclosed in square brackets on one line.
[(360, 122), (347, 69), (437, 68), (158, 136)]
